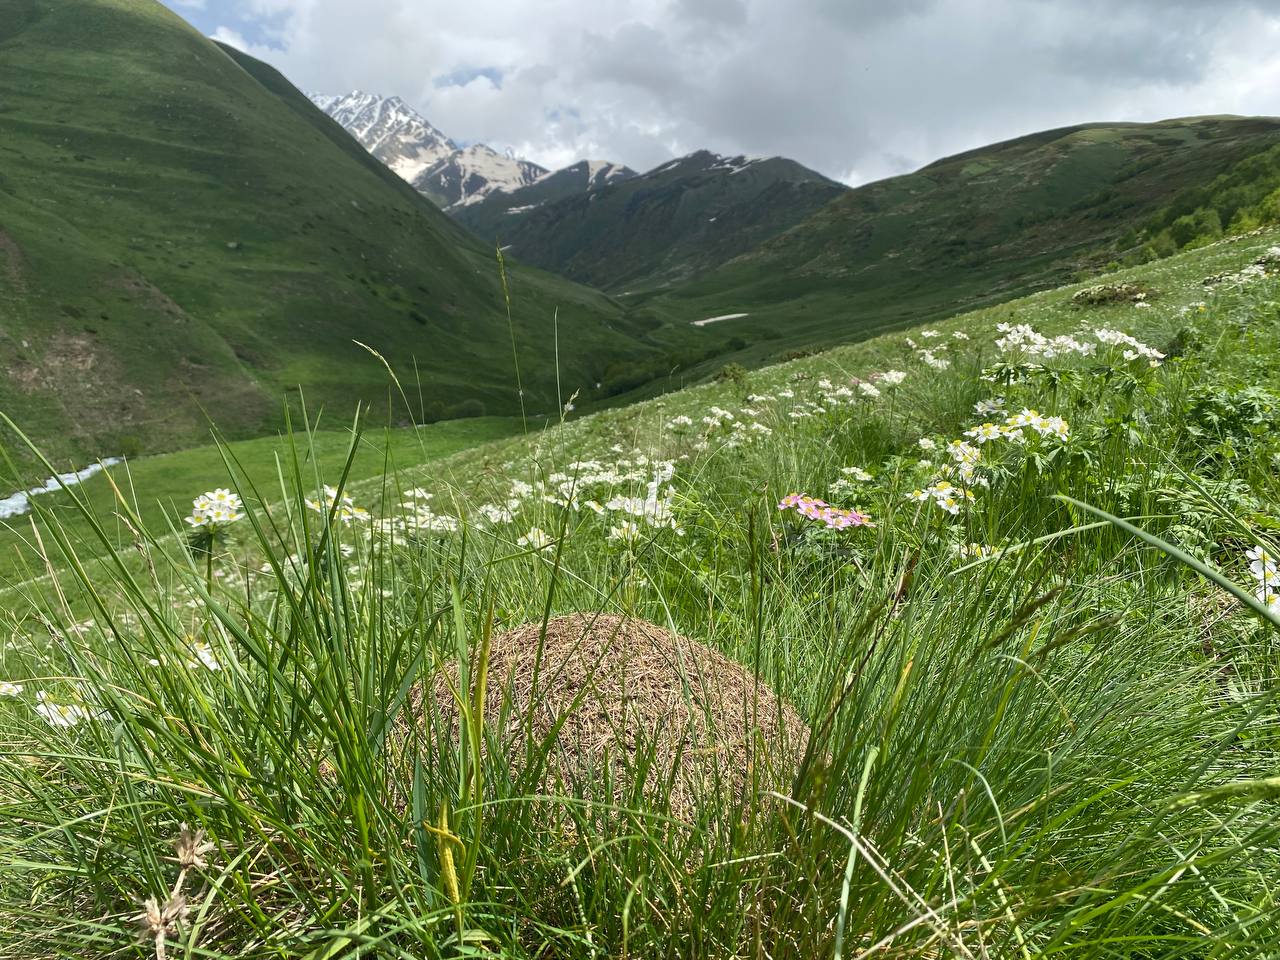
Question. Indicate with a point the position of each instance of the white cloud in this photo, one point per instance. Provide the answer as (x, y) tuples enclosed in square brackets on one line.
[(855, 88)]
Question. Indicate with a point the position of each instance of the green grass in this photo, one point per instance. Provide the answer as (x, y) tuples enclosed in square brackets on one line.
[(160, 488), (1064, 747), (1241, 198), (185, 235)]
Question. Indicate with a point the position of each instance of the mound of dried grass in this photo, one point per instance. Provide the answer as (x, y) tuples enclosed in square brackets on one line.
[(627, 691)]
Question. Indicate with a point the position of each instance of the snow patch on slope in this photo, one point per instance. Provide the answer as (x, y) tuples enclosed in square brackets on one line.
[(727, 316), (19, 503)]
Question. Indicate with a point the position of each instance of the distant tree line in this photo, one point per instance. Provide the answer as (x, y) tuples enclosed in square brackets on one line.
[(1244, 198)]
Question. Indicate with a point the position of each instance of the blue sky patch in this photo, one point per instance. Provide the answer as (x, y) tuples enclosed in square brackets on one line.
[(208, 15), (464, 75)]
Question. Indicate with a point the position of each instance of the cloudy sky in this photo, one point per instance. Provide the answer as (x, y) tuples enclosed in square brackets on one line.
[(858, 89)]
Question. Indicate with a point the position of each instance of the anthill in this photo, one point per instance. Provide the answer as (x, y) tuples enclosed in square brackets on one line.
[(629, 692)]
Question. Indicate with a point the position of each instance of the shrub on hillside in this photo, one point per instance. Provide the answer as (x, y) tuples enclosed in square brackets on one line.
[(734, 373), (467, 408), (1107, 293)]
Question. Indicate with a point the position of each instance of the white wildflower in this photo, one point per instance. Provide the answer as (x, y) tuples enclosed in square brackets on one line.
[(62, 714), (535, 539), (628, 531), (215, 510)]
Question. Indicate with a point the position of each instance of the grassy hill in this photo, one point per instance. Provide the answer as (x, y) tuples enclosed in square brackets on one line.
[(1031, 729), (973, 229), (182, 231), (655, 229)]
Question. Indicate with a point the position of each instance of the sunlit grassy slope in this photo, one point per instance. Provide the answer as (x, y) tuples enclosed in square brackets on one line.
[(1037, 729), (183, 235), (159, 488)]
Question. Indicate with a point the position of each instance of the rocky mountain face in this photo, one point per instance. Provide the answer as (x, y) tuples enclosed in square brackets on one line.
[(457, 177), (390, 129), (470, 175), (405, 141)]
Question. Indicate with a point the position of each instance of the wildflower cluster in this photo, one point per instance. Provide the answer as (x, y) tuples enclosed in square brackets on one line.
[(215, 510), (965, 453), (1022, 341), (976, 550), (736, 429), (1022, 338), (535, 539), (1262, 267), (946, 495), (1013, 427), (418, 516), (1132, 349), (844, 485), (835, 518), (63, 714), (1266, 574), (343, 508), (631, 491), (932, 354)]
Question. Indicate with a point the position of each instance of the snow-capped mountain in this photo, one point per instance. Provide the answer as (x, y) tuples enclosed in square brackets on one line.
[(455, 177), (390, 129), (468, 176)]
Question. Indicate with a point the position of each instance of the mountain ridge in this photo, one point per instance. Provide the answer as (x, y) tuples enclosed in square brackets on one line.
[(452, 175), (657, 228), (468, 175)]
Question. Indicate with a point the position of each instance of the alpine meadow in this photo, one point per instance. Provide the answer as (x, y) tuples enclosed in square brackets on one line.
[(427, 542)]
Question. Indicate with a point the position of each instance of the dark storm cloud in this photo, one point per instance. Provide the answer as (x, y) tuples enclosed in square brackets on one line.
[(855, 88)]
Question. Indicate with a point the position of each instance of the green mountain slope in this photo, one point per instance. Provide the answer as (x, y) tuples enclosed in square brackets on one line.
[(659, 228), (970, 230), (181, 230), (1242, 198)]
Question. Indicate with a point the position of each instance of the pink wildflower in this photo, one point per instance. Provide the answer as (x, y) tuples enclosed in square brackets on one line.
[(820, 511)]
